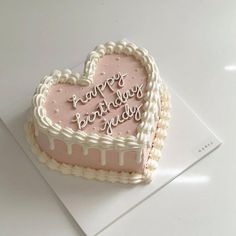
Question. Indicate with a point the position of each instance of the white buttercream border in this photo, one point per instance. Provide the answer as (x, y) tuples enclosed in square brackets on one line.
[(110, 176), (145, 127)]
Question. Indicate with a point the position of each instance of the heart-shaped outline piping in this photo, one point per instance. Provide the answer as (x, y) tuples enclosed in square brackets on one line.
[(145, 127)]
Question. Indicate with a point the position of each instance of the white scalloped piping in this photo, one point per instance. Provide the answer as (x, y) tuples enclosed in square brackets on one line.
[(145, 127), (111, 176)]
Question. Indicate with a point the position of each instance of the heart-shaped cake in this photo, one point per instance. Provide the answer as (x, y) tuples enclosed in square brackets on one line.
[(108, 123)]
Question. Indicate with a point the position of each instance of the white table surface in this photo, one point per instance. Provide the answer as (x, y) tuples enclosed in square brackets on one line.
[(194, 44)]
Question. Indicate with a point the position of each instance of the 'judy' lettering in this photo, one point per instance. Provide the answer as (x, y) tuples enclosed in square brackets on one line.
[(127, 114)]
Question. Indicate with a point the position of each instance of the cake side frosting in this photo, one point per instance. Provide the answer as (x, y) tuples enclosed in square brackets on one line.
[(105, 119)]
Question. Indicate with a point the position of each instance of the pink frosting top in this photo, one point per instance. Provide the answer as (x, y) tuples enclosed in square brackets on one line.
[(61, 111)]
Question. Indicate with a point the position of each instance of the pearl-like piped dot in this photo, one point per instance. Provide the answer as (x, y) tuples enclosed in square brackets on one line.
[(119, 133), (136, 69), (117, 58), (94, 128), (56, 110), (102, 73), (59, 122), (54, 101), (128, 132), (59, 90)]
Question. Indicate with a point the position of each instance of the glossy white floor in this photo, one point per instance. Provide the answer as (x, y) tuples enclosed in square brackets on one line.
[(194, 44)]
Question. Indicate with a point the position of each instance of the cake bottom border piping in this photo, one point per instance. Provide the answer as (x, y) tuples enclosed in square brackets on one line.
[(105, 175)]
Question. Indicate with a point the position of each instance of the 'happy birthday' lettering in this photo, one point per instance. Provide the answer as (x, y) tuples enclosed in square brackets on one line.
[(98, 89)]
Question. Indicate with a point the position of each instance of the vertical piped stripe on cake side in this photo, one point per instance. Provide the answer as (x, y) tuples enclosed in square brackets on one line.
[(69, 148), (85, 150), (121, 158), (51, 143), (103, 157), (139, 155)]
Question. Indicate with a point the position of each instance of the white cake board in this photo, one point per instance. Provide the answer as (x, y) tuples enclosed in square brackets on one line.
[(95, 205)]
